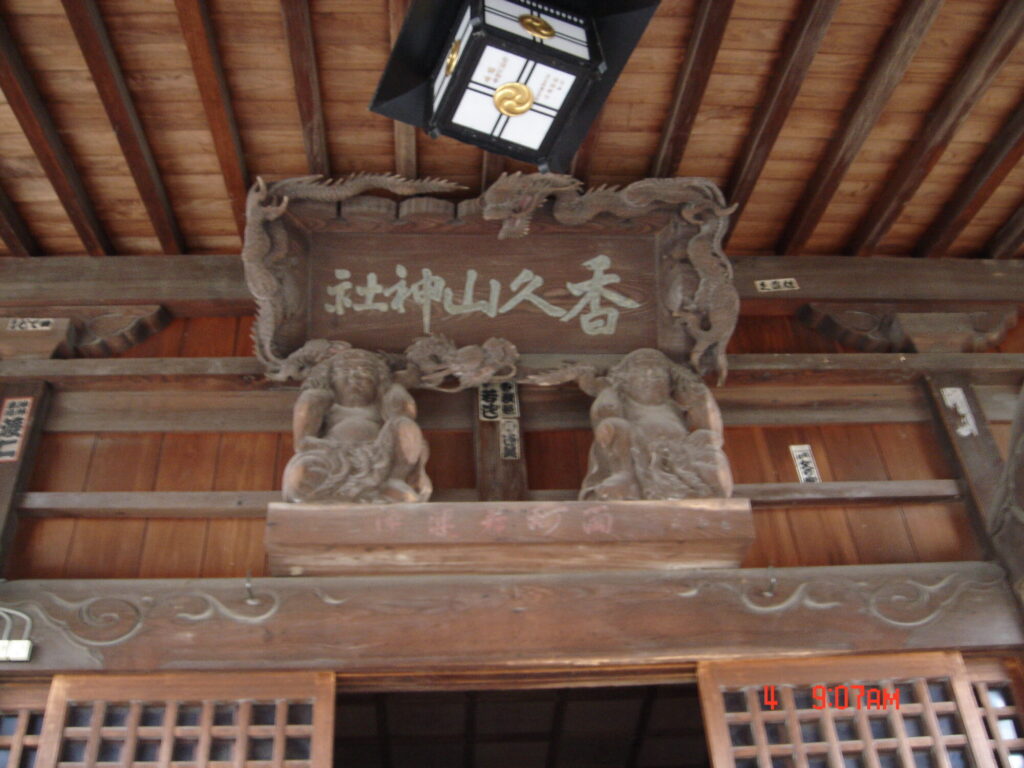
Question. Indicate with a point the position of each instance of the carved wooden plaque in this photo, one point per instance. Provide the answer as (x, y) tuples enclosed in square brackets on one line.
[(583, 293), (606, 270)]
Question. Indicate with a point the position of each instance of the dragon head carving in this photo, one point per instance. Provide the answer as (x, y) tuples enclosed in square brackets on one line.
[(512, 199)]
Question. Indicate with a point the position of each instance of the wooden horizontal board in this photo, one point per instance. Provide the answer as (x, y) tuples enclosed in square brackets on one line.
[(197, 286), (561, 408), (506, 536), (403, 630), (210, 504), (246, 373)]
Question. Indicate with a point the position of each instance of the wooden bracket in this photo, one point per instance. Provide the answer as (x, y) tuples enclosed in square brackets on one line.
[(901, 328), (76, 331)]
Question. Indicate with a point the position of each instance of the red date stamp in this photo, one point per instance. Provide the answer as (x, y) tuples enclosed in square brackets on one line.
[(841, 697)]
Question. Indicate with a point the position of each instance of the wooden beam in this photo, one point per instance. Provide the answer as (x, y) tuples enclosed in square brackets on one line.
[(407, 632), (298, 27), (405, 134), (543, 409), (201, 39), (253, 504), (889, 63), (969, 443), (1008, 239), (1001, 37), (1005, 523), (701, 51), (246, 373), (94, 42), (581, 160), (192, 286), (999, 158), (27, 104), (199, 286), (13, 229), (23, 409), (801, 46)]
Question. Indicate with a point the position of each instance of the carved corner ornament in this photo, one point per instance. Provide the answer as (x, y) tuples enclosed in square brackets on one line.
[(894, 328), (657, 430), (697, 303)]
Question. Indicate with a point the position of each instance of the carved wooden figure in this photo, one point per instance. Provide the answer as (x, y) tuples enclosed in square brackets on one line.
[(356, 438), (657, 431)]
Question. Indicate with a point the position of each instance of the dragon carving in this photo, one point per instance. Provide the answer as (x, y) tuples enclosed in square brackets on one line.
[(698, 294), (266, 256)]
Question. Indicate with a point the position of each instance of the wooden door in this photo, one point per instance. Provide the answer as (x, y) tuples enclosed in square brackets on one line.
[(203, 720), (896, 711)]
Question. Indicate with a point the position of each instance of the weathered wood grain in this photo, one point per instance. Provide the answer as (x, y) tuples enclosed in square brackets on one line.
[(1009, 238), (32, 114), (702, 48), (201, 38), (987, 174), (94, 42), (202, 286), (506, 536), (972, 78), (13, 229), (18, 461), (888, 65), (209, 504), (405, 134), (298, 27), (270, 411), (801, 46), (443, 630), (246, 373)]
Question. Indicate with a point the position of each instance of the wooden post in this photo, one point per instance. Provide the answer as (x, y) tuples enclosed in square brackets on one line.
[(498, 441), (1006, 514), (22, 413)]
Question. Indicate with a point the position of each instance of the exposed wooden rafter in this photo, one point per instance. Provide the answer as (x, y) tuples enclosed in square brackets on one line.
[(973, 78), (802, 43), (27, 104), (94, 42), (889, 63), (298, 27), (1009, 238), (999, 158), (405, 134), (701, 51), (13, 229), (201, 39)]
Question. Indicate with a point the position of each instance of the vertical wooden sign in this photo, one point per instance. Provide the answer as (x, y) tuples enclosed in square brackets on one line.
[(498, 441), (22, 412)]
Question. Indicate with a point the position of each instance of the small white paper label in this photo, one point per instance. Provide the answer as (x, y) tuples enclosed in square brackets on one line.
[(777, 284), (806, 467), (508, 433), (490, 402), (956, 400), (30, 324), (14, 416)]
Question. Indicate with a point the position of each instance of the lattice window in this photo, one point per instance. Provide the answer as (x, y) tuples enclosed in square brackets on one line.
[(998, 693), (21, 723), (209, 720), (913, 711)]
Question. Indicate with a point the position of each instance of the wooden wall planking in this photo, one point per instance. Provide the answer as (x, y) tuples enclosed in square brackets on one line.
[(56, 547)]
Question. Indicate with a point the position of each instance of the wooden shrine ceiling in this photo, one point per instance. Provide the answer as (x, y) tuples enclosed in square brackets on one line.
[(841, 126)]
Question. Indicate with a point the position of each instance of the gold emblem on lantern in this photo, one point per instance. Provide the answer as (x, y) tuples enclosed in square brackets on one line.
[(513, 99), (536, 26), (453, 57)]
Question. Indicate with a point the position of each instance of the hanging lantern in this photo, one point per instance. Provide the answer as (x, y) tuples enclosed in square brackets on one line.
[(522, 79)]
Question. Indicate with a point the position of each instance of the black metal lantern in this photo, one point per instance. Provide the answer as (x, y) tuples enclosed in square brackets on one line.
[(518, 78)]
